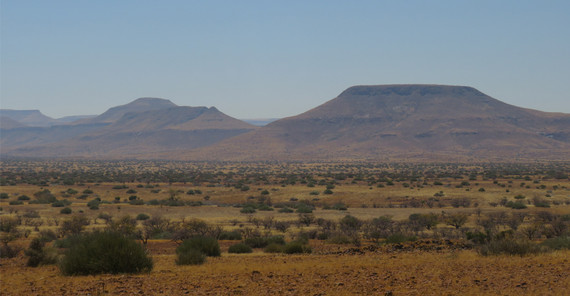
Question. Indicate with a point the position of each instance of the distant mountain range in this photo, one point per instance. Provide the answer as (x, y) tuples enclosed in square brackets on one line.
[(33, 118), (144, 126), (376, 123)]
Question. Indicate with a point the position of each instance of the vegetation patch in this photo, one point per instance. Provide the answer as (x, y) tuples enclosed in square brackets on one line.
[(104, 252)]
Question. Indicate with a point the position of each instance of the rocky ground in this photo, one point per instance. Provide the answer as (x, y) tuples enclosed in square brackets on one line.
[(418, 268)]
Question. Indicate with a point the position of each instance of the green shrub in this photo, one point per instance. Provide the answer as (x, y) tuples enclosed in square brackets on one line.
[(207, 245), (340, 206), (44, 197), (230, 235), (256, 242), (285, 210), (517, 205), (142, 217), (296, 247), (190, 257), (104, 252), (16, 202), (510, 246), (7, 251), (240, 248), (273, 248), (339, 239), (265, 208), (4, 195), (47, 235), (476, 237), (23, 197), (276, 239), (397, 238), (557, 243), (262, 242), (247, 210), (136, 202), (94, 204), (304, 209), (58, 204), (38, 254), (65, 211)]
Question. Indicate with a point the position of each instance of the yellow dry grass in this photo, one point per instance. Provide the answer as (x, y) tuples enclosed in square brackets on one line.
[(374, 273)]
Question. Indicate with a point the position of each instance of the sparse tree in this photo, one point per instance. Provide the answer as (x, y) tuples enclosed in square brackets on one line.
[(456, 220)]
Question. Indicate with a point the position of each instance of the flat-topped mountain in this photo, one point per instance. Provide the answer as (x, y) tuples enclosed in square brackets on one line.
[(376, 123), (423, 122), (136, 106), (146, 125)]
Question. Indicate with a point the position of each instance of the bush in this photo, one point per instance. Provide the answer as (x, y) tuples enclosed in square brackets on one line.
[(7, 251), (230, 235), (262, 242), (47, 235), (339, 239), (39, 255), (476, 237), (398, 238), (61, 203), (256, 242), (273, 248), (285, 210), (65, 211), (557, 243), (23, 197), (94, 204), (517, 205), (296, 247), (247, 210), (240, 248), (142, 217), (304, 209), (207, 245), (510, 246), (190, 257), (104, 252)]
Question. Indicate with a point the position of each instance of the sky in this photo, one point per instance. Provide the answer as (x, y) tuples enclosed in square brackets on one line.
[(273, 59)]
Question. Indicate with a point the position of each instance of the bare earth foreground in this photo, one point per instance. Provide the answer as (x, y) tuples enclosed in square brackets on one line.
[(328, 271)]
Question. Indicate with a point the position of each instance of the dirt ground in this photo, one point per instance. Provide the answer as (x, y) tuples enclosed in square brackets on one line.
[(329, 270)]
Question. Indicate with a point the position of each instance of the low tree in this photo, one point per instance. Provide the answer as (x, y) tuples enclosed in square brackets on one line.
[(9, 231), (126, 226), (73, 226), (378, 228), (427, 221), (456, 219)]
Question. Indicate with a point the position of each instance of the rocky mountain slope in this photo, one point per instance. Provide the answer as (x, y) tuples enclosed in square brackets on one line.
[(401, 122), (145, 125)]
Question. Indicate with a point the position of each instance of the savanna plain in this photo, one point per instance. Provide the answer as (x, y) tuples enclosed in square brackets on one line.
[(274, 228)]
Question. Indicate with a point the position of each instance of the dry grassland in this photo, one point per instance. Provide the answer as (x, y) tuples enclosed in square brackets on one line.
[(451, 272), (331, 269)]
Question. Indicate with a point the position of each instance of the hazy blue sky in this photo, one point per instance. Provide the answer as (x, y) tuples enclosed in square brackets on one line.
[(256, 59)]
